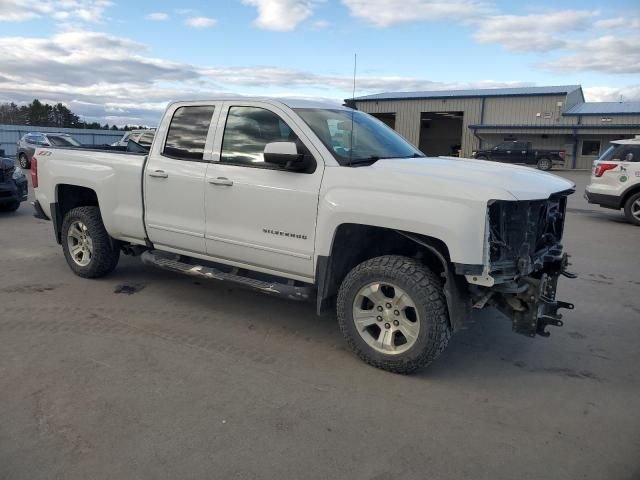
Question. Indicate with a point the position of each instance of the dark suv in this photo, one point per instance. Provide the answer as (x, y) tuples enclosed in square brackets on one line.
[(28, 143), (13, 185)]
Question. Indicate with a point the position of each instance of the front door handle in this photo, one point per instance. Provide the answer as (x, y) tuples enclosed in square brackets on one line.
[(221, 181), (158, 174)]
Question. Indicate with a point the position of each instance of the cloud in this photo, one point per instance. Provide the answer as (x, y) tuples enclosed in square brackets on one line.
[(630, 93), (321, 24), (618, 22), (78, 10), (112, 79), (535, 32), (281, 15), (383, 13), (265, 77), (157, 16), (609, 55), (200, 22)]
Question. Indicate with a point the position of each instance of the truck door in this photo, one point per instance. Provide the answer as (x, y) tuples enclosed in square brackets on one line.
[(174, 178), (520, 152), (501, 152), (260, 215)]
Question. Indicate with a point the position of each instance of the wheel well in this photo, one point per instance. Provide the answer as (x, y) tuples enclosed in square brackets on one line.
[(632, 191), (354, 244), (69, 197)]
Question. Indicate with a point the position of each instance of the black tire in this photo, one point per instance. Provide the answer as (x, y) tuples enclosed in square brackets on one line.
[(104, 256), (481, 157), (545, 164), (629, 208), (9, 207), (425, 289), (24, 161)]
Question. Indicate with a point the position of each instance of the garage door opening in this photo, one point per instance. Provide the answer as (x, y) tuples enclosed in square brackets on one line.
[(387, 118), (441, 133)]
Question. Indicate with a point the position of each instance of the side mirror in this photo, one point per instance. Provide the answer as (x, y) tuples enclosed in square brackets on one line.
[(284, 154)]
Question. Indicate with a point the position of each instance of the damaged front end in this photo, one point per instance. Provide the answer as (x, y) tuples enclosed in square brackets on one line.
[(526, 259)]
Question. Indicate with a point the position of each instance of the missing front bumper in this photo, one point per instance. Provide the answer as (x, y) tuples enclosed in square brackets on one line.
[(531, 302)]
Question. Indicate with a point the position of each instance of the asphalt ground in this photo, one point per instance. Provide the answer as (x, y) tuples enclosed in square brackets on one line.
[(179, 379)]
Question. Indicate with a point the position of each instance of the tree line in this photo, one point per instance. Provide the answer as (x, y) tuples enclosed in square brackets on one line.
[(41, 114)]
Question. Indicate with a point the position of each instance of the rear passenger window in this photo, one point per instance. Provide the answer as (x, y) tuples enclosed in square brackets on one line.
[(188, 133)]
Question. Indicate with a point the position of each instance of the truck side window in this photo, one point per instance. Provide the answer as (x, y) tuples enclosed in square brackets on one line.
[(247, 131), (188, 133)]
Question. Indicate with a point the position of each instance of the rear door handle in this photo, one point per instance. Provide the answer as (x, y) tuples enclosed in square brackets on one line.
[(221, 181), (158, 174)]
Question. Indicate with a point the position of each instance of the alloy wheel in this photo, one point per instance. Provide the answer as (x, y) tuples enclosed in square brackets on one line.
[(386, 317), (80, 243)]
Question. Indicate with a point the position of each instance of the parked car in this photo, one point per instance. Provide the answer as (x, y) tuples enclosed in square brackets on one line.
[(13, 185), (142, 137), (522, 152), (615, 179), (29, 142), (305, 199)]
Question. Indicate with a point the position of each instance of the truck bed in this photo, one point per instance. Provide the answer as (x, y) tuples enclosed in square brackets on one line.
[(114, 176)]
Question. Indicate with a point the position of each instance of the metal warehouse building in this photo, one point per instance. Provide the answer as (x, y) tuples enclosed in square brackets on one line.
[(443, 122)]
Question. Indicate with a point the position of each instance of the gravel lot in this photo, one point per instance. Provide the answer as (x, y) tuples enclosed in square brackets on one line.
[(185, 379)]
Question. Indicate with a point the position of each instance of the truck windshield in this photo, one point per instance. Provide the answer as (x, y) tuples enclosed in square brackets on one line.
[(355, 138)]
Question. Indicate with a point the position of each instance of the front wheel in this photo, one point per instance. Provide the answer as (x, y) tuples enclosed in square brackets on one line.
[(632, 209), (87, 246), (393, 313), (544, 164)]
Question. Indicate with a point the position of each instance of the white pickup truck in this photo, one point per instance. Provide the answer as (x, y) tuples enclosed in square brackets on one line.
[(309, 200)]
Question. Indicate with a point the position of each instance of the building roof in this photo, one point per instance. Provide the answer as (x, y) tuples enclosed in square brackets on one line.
[(482, 92), (605, 108)]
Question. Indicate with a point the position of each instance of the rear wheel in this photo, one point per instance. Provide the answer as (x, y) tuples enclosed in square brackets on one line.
[(87, 246), (544, 164), (632, 209), (393, 313), (24, 161), (481, 157)]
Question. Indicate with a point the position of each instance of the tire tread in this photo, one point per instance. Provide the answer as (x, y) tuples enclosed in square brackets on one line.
[(105, 257), (424, 280)]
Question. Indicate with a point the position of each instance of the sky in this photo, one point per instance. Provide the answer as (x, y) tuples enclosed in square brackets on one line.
[(120, 62)]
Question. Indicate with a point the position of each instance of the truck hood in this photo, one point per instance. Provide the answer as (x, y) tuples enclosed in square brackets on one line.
[(523, 183)]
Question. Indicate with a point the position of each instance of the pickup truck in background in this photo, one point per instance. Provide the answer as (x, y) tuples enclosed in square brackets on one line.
[(522, 152), (312, 200)]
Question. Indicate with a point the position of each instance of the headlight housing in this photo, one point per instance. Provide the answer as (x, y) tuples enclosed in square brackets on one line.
[(17, 173)]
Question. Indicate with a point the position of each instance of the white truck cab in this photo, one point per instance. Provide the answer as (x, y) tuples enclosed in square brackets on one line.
[(314, 200), (615, 179)]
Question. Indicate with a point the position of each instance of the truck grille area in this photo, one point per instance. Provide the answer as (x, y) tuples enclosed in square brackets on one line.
[(524, 234)]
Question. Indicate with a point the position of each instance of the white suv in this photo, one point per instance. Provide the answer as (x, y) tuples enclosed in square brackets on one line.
[(615, 179)]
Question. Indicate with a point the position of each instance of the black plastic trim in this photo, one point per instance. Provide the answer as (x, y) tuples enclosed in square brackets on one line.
[(39, 212), (607, 201)]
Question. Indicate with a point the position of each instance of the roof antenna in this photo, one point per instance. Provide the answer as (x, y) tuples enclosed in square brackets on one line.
[(353, 105)]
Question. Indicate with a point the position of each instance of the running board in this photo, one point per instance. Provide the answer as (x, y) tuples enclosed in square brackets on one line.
[(171, 262)]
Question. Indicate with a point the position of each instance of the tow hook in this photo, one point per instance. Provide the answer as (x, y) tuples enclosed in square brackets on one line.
[(554, 319)]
